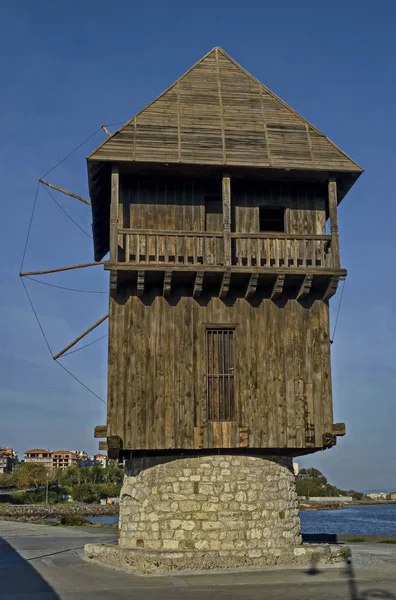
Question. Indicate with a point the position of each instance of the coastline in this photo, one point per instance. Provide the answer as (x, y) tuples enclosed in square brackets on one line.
[(340, 505)]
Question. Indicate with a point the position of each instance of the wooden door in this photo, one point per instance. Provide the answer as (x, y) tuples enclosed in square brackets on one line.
[(220, 362)]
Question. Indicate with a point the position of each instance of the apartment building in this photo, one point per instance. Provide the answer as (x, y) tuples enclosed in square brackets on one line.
[(41, 456), (8, 459), (61, 459)]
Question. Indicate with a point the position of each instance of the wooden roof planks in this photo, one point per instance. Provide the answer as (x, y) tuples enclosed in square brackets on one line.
[(219, 114)]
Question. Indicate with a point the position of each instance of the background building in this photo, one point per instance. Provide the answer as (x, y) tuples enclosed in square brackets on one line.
[(41, 456), (8, 459), (61, 459), (91, 460)]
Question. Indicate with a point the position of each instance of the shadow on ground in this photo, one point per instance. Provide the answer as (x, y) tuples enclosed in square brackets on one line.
[(19, 577), (353, 592)]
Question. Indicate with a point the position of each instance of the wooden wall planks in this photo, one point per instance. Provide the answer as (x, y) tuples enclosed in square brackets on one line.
[(157, 391), (169, 204), (150, 204)]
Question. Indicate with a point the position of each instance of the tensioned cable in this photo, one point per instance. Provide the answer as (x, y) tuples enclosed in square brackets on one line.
[(114, 124), (61, 287), (86, 345), (67, 214), (72, 152), (49, 347), (30, 226), (37, 317), (24, 254), (80, 382), (338, 311)]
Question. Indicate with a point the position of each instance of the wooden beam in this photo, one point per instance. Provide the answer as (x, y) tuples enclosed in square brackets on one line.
[(225, 285), (198, 437), (102, 446), (243, 437), (107, 132), (140, 283), (100, 431), (167, 283), (226, 199), (198, 284), (59, 269), (113, 282), (278, 287), (114, 446), (339, 429), (305, 287), (74, 342), (115, 193), (252, 285), (331, 288), (335, 244), (329, 440), (59, 189)]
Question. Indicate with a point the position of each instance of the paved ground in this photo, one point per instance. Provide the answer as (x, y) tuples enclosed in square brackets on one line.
[(38, 562)]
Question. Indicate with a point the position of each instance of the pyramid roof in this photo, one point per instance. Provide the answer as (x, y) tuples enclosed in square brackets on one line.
[(219, 114)]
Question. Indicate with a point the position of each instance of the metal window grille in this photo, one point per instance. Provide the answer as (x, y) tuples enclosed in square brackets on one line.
[(220, 362)]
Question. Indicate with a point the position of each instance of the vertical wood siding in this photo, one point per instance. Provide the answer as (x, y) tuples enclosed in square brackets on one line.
[(157, 371)]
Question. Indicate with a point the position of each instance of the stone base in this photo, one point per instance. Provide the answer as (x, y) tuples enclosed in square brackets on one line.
[(207, 512), (144, 562)]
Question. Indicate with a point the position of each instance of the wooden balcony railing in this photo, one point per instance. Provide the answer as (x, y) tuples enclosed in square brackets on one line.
[(281, 250), (194, 248), (170, 248)]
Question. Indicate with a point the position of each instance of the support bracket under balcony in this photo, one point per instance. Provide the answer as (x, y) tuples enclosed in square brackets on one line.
[(225, 285)]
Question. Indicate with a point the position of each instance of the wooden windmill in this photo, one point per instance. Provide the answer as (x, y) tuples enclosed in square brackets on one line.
[(213, 203)]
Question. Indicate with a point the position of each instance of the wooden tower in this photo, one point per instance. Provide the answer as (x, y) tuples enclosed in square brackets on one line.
[(218, 204)]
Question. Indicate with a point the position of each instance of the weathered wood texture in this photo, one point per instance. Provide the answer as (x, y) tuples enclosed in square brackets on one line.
[(114, 212), (226, 206), (100, 431), (217, 113), (157, 390), (332, 187), (194, 222)]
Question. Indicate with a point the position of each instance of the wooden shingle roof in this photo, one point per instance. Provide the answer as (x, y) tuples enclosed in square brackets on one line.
[(219, 114)]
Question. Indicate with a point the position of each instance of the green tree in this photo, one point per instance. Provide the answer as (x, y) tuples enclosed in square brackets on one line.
[(115, 472), (29, 475), (69, 477), (109, 490), (85, 493), (311, 472), (6, 480)]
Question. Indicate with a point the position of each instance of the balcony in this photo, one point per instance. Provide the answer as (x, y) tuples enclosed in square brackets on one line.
[(169, 249), (278, 264)]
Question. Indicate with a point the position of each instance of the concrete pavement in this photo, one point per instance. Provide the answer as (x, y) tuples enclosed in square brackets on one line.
[(43, 562)]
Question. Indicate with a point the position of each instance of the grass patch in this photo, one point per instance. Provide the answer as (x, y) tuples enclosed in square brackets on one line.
[(386, 542), (356, 540), (73, 520)]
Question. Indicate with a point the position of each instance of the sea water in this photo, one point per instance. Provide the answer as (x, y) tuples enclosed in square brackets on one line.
[(351, 520)]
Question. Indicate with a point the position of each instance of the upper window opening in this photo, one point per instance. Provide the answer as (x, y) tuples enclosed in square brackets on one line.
[(272, 218)]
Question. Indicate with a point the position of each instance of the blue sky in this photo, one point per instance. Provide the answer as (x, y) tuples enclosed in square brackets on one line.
[(67, 68)]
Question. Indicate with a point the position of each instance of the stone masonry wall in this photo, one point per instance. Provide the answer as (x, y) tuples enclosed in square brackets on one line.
[(234, 503)]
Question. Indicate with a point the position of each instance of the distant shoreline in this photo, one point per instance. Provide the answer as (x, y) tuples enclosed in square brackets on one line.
[(339, 505)]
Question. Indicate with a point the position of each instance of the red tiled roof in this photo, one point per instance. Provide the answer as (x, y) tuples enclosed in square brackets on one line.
[(37, 450)]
